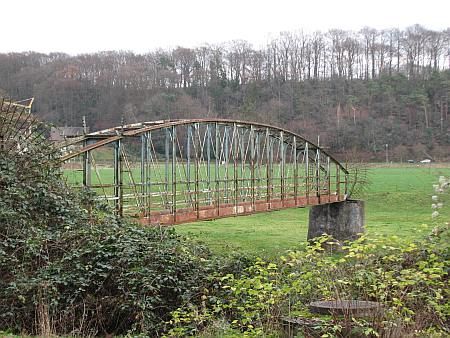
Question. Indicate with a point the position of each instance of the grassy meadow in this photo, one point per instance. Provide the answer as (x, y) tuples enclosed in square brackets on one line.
[(398, 203)]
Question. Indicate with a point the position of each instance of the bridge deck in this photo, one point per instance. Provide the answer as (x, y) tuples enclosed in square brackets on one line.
[(229, 210)]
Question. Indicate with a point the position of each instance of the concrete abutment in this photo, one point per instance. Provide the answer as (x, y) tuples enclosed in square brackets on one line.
[(341, 220)]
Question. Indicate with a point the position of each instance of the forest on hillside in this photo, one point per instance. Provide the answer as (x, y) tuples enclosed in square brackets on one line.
[(359, 91)]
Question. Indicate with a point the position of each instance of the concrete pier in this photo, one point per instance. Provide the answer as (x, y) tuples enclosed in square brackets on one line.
[(341, 220)]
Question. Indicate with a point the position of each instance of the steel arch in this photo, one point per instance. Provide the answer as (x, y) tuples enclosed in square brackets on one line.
[(176, 171)]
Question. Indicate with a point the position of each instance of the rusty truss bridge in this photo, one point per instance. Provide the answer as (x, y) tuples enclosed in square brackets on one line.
[(176, 171)]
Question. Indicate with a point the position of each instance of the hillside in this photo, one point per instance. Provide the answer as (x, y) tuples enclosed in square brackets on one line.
[(359, 91)]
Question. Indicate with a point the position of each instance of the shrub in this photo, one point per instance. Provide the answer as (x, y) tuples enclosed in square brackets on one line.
[(64, 270), (410, 280)]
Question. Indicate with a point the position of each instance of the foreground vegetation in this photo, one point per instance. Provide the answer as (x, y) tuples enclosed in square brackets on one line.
[(409, 280), (68, 267)]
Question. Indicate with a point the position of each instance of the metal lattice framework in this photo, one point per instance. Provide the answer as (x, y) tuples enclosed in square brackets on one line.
[(20, 131), (176, 171), (16, 121)]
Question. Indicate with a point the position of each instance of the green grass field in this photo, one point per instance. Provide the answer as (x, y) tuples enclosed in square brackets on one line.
[(398, 203)]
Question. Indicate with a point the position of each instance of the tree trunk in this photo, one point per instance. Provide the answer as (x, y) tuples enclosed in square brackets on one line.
[(426, 115)]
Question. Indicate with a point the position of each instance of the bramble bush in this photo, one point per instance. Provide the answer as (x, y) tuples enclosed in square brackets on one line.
[(410, 280), (64, 270)]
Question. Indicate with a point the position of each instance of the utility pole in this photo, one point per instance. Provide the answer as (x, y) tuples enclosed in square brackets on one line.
[(84, 125), (387, 153)]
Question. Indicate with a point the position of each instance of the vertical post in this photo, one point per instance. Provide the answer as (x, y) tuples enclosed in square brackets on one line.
[(149, 178), (87, 174), (387, 153), (87, 171), (235, 174), (295, 171), (174, 174), (188, 168), (346, 186), (318, 175), (208, 161), (243, 193), (216, 168), (227, 158), (144, 174), (86, 160), (283, 165), (166, 167), (118, 193), (121, 179), (252, 165), (272, 144), (197, 204), (338, 181), (307, 171), (87, 167), (258, 163), (328, 178), (268, 166)]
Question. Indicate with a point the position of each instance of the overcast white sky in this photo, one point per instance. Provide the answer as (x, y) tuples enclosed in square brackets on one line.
[(83, 26)]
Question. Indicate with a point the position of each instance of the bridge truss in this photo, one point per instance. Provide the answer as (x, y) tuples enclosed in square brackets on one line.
[(176, 171)]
